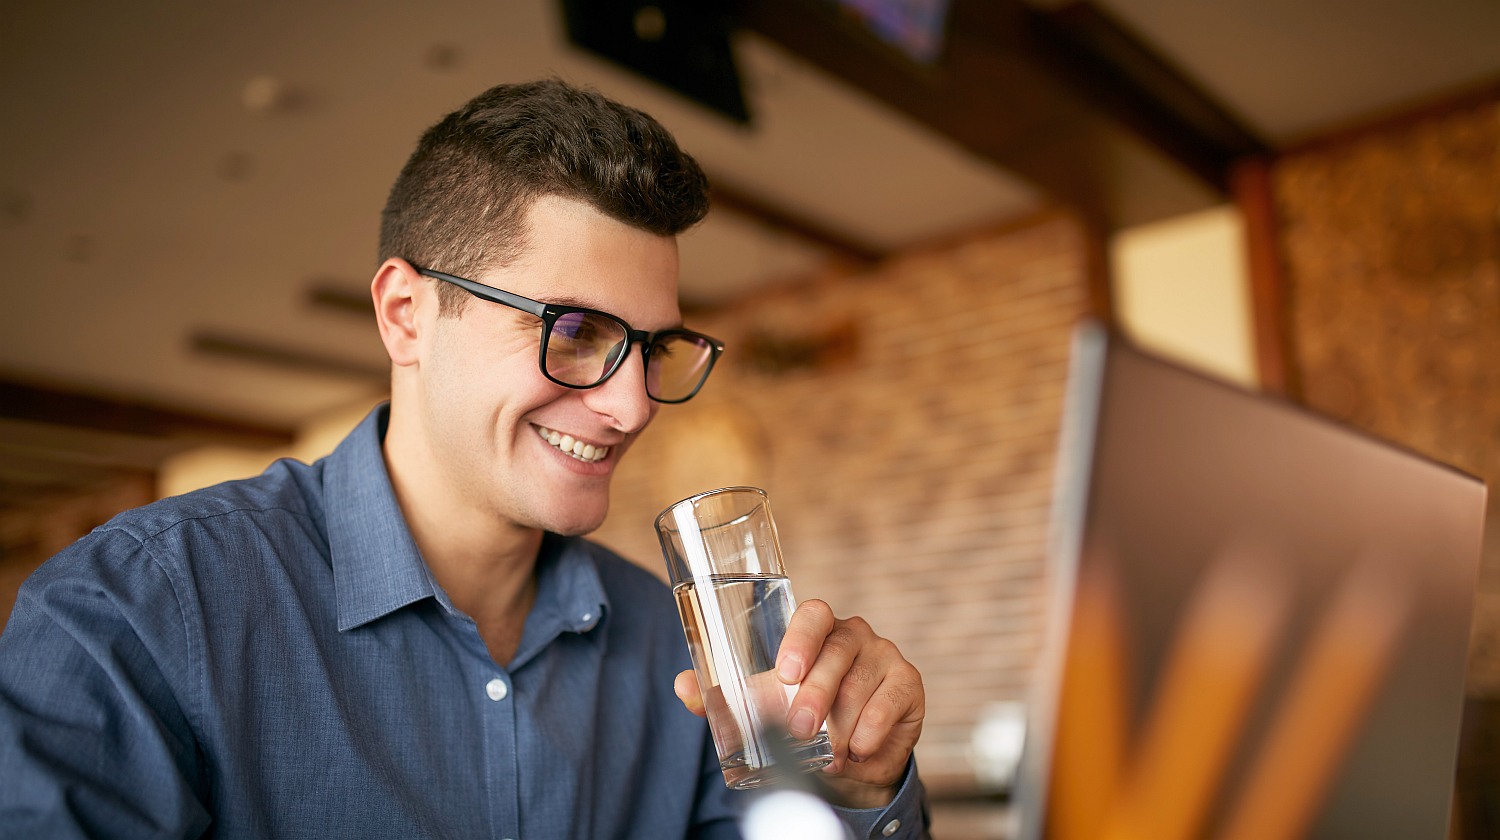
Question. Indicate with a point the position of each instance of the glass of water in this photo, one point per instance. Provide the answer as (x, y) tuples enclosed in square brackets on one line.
[(730, 582)]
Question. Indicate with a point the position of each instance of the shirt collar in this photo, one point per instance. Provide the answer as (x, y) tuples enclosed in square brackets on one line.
[(568, 584), (570, 597), (376, 565), (378, 569)]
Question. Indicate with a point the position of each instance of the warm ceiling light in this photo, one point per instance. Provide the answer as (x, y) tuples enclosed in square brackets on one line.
[(263, 95)]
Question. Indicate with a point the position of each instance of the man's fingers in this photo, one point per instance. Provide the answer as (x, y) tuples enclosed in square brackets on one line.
[(896, 702), (830, 669), (805, 634), (863, 687), (686, 687), (865, 678), (840, 681)]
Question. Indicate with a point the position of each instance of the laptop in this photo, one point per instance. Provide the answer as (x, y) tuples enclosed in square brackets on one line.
[(1260, 624)]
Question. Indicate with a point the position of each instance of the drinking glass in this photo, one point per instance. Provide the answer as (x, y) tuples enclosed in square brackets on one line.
[(730, 581)]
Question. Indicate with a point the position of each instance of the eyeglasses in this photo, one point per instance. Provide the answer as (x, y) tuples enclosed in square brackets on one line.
[(581, 348)]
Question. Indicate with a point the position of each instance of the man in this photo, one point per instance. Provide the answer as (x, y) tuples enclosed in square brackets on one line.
[(409, 638)]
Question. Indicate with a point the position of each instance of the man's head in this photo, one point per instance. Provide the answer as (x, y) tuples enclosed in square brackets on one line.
[(459, 204), (553, 194)]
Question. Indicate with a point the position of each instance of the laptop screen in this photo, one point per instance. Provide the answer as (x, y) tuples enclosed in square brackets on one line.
[(1260, 624)]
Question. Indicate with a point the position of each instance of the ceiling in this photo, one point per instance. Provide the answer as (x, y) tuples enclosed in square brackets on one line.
[(189, 191)]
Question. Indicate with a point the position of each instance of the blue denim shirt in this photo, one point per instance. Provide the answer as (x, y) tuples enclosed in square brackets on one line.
[(270, 658)]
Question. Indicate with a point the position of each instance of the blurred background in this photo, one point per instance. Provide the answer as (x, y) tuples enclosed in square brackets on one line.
[(914, 201)]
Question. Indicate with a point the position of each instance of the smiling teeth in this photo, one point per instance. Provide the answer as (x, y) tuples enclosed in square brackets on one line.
[(586, 452)]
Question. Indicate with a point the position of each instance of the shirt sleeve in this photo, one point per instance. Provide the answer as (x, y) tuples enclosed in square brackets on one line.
[(908, 816), (94, 740)]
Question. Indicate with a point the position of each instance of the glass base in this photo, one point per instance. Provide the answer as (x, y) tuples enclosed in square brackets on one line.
[(805, 756)]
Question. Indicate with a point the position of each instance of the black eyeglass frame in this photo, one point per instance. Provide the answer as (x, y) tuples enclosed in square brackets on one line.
[(549, 313)]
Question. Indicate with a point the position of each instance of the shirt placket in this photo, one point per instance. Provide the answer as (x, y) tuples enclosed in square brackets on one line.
[(502, 756)]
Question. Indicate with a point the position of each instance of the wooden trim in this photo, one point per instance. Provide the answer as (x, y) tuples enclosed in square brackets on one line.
[(30, 403), (1098, 273), (1039, 215), (1399, 118), (741, 202), (335, 298), (1254, 195), (27, 474), (256, 351)]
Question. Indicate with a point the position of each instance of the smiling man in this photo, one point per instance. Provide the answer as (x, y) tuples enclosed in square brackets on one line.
[(411, 638)]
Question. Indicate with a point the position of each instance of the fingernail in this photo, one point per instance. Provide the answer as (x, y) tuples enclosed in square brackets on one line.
[(856, 757), (802, 724), (790, 670)]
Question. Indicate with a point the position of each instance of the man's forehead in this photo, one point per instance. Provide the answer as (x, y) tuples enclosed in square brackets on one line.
[(571, 254)]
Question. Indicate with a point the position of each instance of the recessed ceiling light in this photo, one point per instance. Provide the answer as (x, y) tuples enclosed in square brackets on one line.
[(236, 166), (266, 95), (15, 208), (443, 57), (80, 248), (263, 94)]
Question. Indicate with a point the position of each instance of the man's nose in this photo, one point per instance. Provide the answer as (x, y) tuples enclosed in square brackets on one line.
[(623, 396)]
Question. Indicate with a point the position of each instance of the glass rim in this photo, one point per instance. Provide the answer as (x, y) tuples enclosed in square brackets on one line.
[(733, 489)]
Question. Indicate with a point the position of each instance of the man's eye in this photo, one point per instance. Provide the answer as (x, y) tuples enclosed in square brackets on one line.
[(576, 327)]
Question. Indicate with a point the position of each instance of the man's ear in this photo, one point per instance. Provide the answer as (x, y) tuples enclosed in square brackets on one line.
[(395, 291)]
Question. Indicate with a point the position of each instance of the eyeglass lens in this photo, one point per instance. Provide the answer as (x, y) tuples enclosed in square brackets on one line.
[(583, 347)]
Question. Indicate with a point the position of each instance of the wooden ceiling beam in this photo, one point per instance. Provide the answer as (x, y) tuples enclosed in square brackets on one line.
[(264, 353), (744, 203), (35, 468), (31, 403), (1119, 74), (1066, 99)]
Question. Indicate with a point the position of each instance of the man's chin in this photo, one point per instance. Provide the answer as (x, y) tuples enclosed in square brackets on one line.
[(576, 531), (565, 505), (575, 523)]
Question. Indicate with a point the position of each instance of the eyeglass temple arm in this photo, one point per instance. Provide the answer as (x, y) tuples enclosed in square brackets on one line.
[(537, 308), (489, 293)]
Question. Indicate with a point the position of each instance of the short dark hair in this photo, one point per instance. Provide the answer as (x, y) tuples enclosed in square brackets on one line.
[(461, 200)]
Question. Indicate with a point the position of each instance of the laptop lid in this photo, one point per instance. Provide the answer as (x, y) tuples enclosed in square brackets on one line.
[(1261, 619)]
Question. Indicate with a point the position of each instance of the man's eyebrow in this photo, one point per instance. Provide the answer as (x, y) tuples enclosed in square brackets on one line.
[(575, 302), (580, 303)]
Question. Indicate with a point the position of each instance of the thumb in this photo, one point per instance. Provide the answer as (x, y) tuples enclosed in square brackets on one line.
[(686, 687)]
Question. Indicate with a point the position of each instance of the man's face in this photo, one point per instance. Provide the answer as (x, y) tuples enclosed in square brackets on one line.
[(508, 441)]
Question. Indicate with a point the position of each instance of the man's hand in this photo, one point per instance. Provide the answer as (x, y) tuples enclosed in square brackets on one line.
[(870, 695)]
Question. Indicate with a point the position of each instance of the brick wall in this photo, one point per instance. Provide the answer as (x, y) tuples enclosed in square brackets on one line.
[(904, 423), (1391, 240)]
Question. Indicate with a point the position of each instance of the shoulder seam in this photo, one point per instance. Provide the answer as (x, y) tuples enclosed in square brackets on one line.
[(144, 535)]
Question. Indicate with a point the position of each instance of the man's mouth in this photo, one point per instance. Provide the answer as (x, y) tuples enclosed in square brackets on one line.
[(586, 452)]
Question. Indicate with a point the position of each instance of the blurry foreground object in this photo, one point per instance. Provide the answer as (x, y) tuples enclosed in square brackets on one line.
[(996, 745), (790, 815), (1261, 619)]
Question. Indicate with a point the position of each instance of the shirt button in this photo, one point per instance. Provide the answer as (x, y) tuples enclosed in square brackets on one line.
[(496, 689), (891, 827)]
